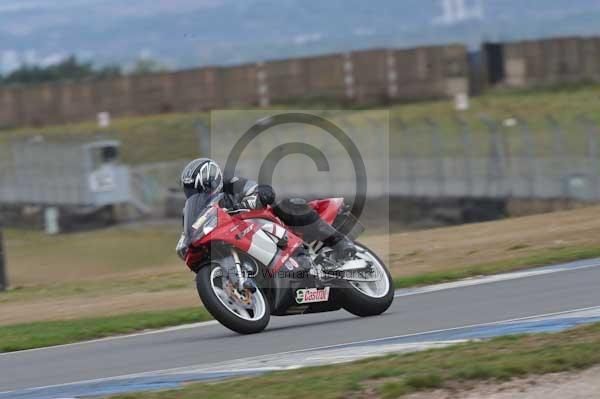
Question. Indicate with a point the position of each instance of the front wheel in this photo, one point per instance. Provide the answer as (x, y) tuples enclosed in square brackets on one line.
[(369, 298), (245, 313)]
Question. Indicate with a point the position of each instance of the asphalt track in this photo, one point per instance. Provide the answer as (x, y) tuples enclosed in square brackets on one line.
[(455, 311)]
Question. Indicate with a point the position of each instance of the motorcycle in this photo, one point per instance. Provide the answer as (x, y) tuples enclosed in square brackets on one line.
[(245, 271)]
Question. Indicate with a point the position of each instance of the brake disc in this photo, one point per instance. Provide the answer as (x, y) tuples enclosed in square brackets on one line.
[(242, 299)]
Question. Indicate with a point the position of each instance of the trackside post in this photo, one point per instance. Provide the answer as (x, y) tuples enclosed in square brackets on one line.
[(3, 280)]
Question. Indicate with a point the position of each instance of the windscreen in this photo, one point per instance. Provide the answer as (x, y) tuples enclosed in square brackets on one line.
[(194, 206)]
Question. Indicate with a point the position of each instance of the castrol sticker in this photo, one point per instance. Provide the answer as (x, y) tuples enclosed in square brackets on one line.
[(311, 295)]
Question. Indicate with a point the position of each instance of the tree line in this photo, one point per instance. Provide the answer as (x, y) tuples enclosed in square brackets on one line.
[(72, 69)]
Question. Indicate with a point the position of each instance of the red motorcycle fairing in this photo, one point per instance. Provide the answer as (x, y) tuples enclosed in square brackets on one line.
[(265, 213), (256, 233), (247, 236), (328, 209)]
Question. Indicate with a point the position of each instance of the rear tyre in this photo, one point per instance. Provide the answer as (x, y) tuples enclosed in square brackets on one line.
[(369, 299), (241, 318)]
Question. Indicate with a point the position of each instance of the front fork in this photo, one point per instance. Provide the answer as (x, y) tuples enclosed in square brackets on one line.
[(240, 280)]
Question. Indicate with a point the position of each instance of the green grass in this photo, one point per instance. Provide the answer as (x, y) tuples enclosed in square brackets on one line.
[(42, 334), (174, 136), (499, 359), (144, 138), (92, 254), (102, 287), (547, 257)]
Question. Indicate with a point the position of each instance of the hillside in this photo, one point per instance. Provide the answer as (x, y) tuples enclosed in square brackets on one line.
[(174, 136), (183, 33)]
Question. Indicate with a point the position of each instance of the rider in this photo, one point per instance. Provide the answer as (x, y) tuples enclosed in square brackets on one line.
[(203, 175)]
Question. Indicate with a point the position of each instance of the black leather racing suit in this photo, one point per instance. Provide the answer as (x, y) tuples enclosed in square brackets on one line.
[(242, 193)]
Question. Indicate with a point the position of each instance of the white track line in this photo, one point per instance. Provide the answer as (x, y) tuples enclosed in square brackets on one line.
[(490, 279), (368, 341), (139, 334), (399, 293), (279, 354)]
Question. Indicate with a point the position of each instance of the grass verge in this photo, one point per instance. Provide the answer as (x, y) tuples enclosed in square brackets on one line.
[(88, 290), (165, 137), (500, 359), (116, 250), (37, 335), (40, 334), (548, 257)]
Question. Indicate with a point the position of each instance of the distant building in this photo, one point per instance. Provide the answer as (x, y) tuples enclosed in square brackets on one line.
[(456, 11)]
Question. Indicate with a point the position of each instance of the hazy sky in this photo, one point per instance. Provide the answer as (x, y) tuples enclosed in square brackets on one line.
[(182, 33)]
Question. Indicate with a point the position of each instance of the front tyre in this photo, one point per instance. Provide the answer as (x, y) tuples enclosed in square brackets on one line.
[(370, 298), (246, 314)]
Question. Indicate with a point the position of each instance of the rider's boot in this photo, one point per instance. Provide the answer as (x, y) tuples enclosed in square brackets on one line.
[(303, 220), (343, 248)]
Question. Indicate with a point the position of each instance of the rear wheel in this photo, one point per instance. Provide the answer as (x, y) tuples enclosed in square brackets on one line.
[(245, 313), (369, 298)]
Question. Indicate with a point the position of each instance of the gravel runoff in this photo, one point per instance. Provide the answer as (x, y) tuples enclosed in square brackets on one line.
[(583, 385)]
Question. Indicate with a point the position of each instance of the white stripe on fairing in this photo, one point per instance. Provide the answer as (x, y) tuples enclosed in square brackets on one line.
[(493, 279), (279, 231), (262, 247)]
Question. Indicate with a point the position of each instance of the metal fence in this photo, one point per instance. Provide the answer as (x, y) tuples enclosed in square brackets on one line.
[(497, 159), (483, 158)]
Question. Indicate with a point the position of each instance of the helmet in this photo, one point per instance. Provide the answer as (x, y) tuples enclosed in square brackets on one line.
[(202, 175)]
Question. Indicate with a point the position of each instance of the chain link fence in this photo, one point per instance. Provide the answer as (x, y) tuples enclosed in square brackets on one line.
[(485, 158), (511, 158)]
